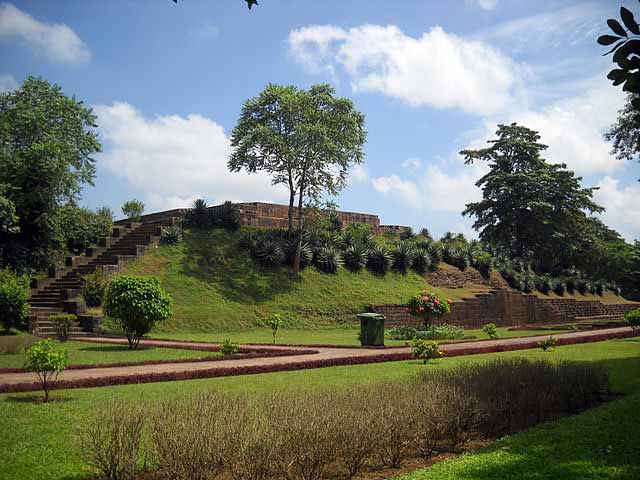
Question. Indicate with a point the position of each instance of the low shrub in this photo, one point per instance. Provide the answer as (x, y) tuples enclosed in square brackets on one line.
[(543, 284), (47, 361), (559, 287), (94, 285), (269, 252), (547, 343), (327, 260), (133, 209), (171, 235), (227, 347), (274, 321), (225, 216), (582, 286), (378, 260), (421, 261), (14, 297), (425, 350), (483, 263), (111, 442), (632, 317), (402, 332), (15, 344), (355, 257), (442, 331), (306, 252), (402, 256), (63, 323), (490, 330)]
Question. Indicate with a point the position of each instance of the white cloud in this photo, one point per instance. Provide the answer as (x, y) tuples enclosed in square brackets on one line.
[(7, 83), (438, 69), (206, 31), (412, 164), (622, 205), (561, 28), (55, 41), (359, 174), (483, 4), (173, 159)]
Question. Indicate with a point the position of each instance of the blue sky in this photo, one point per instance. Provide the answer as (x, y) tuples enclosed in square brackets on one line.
[(168, 81)]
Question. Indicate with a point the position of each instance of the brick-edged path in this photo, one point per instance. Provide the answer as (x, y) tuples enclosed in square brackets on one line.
[(322, 357)]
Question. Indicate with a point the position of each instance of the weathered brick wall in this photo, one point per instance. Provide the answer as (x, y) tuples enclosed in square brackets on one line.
[(507, 308)]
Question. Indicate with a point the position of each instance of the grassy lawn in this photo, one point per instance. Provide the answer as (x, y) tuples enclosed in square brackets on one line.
[(321, 336), (37, 440), (85, 353)]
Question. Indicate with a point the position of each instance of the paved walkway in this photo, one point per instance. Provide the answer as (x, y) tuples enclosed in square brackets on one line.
[(321, 357)]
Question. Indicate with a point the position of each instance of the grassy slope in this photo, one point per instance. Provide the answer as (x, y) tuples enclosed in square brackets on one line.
[(83, 353), (37, 441), (216, 287)]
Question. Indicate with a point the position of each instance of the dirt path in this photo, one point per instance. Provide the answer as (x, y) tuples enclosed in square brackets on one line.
[(322, 357)]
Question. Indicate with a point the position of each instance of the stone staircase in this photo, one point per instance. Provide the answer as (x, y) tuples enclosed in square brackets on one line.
[(59, 293)]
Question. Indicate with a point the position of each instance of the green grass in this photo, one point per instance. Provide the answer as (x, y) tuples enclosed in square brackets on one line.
[(38, 442), (217, 287), (86, 353), (321, 336)]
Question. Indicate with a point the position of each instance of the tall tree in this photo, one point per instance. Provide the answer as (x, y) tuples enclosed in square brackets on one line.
[(625, 132), (305, 139), (47, 140), (530, 208)]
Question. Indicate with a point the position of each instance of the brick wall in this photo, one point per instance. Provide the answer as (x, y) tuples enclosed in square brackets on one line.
[(507, 308)]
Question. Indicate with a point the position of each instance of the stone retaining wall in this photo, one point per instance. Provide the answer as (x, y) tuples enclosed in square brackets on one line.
[(507, 308)]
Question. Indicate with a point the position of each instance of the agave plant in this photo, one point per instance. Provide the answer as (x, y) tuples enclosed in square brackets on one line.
[(355, 257), (197, 217), (401, 256), (527, 283), (582, 286), (328, 260), (458, 258), (421, 261), (306, 252), (269, 252), (378, 260), (543, 284), (559, 287), (570, 282)]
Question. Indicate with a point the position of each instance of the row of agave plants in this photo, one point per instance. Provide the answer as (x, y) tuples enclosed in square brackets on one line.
[(328, 251)]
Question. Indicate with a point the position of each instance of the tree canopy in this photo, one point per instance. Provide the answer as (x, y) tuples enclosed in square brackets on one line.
[(530, 208), (47, 143), (625, 132)]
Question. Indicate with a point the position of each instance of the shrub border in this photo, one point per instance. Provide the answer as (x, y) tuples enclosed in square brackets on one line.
[(300, 365)]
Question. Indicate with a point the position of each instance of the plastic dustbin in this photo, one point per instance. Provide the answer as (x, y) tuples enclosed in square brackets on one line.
[(371, 329)]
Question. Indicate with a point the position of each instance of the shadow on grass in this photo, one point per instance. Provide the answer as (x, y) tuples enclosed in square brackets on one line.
[(215, 257), (53, 398)]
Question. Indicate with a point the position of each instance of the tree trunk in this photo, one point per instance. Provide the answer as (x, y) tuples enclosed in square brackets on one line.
[(428, 320), (292, 199), (296, 258)]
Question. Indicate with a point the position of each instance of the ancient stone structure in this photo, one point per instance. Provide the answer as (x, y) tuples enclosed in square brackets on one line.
[(272, 215), (507, 308)]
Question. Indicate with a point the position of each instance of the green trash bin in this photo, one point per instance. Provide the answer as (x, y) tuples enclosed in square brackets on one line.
[(371, 329)]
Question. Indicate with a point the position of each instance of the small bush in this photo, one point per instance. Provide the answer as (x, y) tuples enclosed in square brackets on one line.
[(421, 261), (544, 284), (225, 216), (355, 257), (137, 304), (15, 344), (111, 442), (442, 331), (47, 361), (483, 263), (570, 283), (327, 260), (275, 321), (306, 252), (14, 298), (133, 209), (547, 343), (425, 350), (171, 235), (490, 330), (407, 234), (63, 323), (559, 287), (378, 260), (632, 317), (401, 256), (269, 252), (94, 285), (227, 347), (402, 332), (582, 286)]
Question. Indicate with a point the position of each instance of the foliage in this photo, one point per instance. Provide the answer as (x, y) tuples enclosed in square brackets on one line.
[(402, 332), (402, 256), (111, 442), (275, 321), (547, 343), (559, 287), (442, 331), (625, 132), (80, 228), (47, 361), (137, 304), (171, 235), (133, 209), (306, 140), (425, 350), (198, 215), (483, 263), (227, 347), (632, 317), (327, 260), (407, 234), (94, 285), (225, 216), (530, 209), (491, 330), (305, 252), (428, 304), (378, 260), (355, 257), (63, 323), (269, 252), (421, 261), (14, 298), (47, 143), (625, 52)]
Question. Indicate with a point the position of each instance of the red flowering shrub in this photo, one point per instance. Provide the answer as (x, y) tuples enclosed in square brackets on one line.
[(428, 304)]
